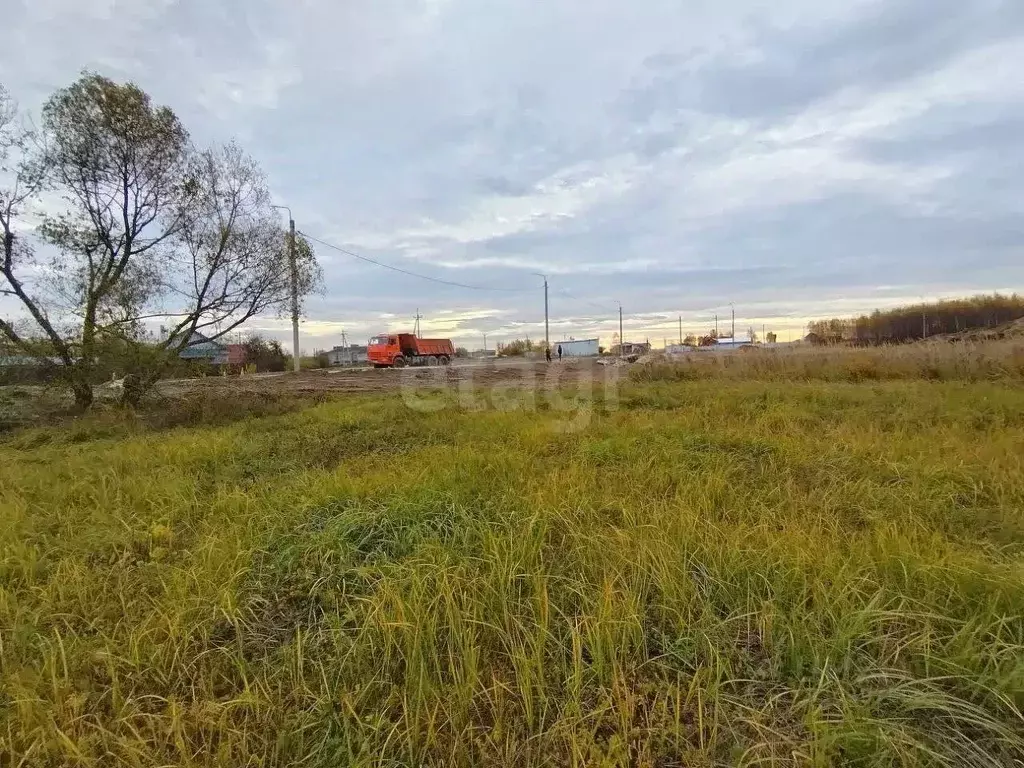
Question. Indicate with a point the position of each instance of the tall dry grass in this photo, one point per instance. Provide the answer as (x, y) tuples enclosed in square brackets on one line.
[(712, 573), (940, 360)]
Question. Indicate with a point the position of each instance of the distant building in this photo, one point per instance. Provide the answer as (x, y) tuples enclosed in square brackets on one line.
[(26, 369), (350, 355), (576, 348), (631, 348), (727, 344), (237, 354), (18, 361), (205, 350), (483, 353)]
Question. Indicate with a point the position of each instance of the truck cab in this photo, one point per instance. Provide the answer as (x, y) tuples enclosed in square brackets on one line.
[(382, 350)]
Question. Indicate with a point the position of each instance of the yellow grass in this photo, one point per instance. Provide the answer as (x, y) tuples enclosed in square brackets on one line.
[(709, 573), (938, 360)]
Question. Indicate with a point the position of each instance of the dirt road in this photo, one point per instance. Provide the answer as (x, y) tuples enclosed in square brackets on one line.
[(359, 380)]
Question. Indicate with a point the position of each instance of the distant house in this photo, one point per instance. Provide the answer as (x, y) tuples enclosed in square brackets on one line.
[(350, 355), (202, 349), (24, 369), (237, 354), (482, 353), (576, 348)]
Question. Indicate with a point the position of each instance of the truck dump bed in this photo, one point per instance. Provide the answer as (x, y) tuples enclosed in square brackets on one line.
[(435, 347), (401, 349)]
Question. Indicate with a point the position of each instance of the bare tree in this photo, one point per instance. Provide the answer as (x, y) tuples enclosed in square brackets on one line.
[(232, 263), (153, 231), (21, 177)]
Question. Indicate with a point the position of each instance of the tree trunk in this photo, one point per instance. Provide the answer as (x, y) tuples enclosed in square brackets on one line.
[(83, 394), (132, 390), (136, 386)]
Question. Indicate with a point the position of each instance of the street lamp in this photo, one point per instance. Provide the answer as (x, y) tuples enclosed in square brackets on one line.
[(294, 270)]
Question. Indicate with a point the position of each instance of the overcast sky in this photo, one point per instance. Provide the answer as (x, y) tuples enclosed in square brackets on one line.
[(798, 158)]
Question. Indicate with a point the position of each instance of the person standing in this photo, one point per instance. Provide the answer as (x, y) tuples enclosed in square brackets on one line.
[(547, 353), (559, 353)]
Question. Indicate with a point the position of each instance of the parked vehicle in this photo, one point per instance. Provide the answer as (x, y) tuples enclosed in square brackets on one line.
[(398, 350)]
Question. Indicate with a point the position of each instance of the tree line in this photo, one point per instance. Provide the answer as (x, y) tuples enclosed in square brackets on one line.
[(113, 220), (917, 321)]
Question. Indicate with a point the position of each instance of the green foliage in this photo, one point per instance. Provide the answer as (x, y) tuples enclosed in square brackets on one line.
[(111, 150), (266, 354), (517, 348), (309, 274), (711, 573)]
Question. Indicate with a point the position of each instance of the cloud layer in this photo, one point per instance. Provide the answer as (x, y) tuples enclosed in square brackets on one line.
[(793, 158)]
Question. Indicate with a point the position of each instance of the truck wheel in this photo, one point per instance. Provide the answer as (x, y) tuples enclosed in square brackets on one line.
[(433, 360), (398, 362), (445, 360)]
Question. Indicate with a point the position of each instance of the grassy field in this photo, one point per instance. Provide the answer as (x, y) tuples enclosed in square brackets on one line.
[(932, 361), (725, 572)]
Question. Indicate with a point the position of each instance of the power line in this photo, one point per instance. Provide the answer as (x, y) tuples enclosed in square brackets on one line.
[(613, 313), (585, 301), (407, 272)]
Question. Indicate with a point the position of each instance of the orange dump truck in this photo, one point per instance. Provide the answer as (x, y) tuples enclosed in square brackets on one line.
[(400, 349)]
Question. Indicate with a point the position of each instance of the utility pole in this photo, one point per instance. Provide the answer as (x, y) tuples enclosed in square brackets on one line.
[(716, 325), (485, 342), (733, 323), (547, 343), (680, 330), (293, 267), (763, 339), (416, 328), (295, 293), (547, 339), (622, 341)]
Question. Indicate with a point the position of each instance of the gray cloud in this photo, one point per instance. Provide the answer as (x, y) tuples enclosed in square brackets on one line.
[(890, 42), (794, 158)]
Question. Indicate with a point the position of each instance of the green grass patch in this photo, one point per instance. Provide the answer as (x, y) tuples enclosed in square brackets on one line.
[(704, 573)]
